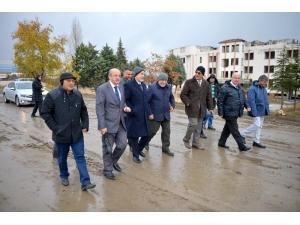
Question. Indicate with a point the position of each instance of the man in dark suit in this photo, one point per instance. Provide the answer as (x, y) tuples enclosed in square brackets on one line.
[(111, 109), (137, 121)]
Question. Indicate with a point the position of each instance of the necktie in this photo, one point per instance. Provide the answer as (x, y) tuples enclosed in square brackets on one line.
[(117, 94), (200, 83), (141, 87)]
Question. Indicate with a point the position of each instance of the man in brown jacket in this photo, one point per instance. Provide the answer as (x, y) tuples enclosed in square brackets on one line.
[(196, 95)]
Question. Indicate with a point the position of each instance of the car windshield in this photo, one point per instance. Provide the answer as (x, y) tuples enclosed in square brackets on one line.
[(24, 85)]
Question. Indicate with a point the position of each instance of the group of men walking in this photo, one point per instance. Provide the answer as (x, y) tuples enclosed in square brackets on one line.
[(129, 112)]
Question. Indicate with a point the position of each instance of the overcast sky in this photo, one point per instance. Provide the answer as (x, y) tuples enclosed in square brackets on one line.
[(146, 32)]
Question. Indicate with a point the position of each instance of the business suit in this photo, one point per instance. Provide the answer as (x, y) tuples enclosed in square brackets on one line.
[(110, 115)]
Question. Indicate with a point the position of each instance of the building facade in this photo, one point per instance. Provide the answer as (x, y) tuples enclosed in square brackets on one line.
[(250, 59)]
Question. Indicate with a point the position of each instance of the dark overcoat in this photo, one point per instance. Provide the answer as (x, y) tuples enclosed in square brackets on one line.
[(37, 90), (137, 121), (196, 98)]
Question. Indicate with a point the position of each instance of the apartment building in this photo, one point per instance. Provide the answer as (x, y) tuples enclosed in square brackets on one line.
[(250, 59)]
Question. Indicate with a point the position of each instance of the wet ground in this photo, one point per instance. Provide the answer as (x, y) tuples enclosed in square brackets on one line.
[(216, 179)]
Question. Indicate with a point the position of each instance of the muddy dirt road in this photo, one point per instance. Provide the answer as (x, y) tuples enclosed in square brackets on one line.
[(216, 179)]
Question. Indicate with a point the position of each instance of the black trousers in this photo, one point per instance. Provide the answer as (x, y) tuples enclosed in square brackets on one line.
[(38, 105), (138, 145), (231, 127)]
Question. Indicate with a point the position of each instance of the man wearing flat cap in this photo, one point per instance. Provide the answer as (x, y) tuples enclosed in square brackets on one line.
[(137, 121), (161, 101), (196, 96), (65, 113)]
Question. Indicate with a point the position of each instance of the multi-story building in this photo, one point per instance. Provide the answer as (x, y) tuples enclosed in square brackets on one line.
[(250, 59)]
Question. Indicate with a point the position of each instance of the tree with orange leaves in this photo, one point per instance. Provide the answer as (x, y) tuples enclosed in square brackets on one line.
[(35, 52), (154, 66)]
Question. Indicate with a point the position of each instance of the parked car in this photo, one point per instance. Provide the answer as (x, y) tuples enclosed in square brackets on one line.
[(20, 92)]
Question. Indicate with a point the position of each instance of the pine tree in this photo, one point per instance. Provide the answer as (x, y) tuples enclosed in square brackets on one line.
[(88, 64), (109, 60), (295, 75), (281, 77), (121, 57), (136, 62)]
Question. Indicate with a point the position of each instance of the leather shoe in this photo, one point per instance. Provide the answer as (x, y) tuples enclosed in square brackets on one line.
[(223, 146), (168, 152), (65, 181), (211, 128), (34, 116), (88, 186), (147, 147), (197, 147), (142, 154), (203, 136), (258, 145), (244, 140), (110, 175), (187, 144), (137, 160), (245, 149), (117, 167)]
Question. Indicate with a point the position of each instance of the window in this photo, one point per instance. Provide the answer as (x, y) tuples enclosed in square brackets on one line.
[(225, 62), (235, 61), (224, 75), (242, 48), (251, 56), (182, 50), (223, 49), (236, 48), (266, 69), (171, 52), (250, 69), (272, 55), (295, 53), (183, 60), (212, 58), (200, 59), (212, 70)]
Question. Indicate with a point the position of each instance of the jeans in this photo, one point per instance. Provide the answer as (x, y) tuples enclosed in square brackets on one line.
[(78, 152), (208, 118)]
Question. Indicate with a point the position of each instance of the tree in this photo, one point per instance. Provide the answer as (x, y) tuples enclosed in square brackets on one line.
[(109, 60), (281, 77), (35, 52), (136, 62), (294, 69), (154, 66), (174, 68), (88, 64), (75, 38), (121, 57)]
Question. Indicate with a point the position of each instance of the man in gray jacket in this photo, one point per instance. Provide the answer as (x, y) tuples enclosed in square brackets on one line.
[(111, 109)]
